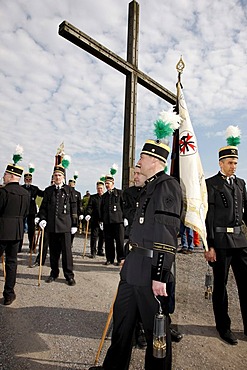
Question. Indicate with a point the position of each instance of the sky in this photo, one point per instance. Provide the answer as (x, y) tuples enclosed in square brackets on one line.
[(51, 91)]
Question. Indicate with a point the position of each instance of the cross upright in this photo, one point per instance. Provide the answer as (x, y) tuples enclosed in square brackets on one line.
[(134, 76)]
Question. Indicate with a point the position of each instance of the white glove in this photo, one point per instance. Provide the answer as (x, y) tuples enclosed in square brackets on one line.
[(126, 222), (36, 220), (87, 217), (101, 226), (81, 217), (42, 224), (73, 230)]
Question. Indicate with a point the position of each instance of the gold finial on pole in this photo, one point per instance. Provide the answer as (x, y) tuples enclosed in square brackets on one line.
[(180, 65)]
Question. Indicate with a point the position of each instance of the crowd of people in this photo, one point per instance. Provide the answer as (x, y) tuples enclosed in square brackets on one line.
[(139, 227)]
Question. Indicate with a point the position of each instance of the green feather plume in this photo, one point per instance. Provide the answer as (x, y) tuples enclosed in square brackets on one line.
[(66, 161), (102, 178), (31, 167), (17, 156), (75, 175), (113, 169), (233, 134), (162, 130)]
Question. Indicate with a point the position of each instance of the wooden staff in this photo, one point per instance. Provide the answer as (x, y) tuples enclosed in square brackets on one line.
[(3, 264), (41, 255), (105, 331), (85, 242)]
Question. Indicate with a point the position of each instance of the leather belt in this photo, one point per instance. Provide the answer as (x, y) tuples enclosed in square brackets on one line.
[(228, 230), (140, 250)]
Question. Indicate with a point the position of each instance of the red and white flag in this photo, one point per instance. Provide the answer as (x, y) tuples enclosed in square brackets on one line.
[(192, 179)]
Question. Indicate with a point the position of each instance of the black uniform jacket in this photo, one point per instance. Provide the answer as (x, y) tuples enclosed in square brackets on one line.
[(227, 207), (94, 207), (14, 206), (34, 191), (59, 209), (112, 207), (131, 198), (77, 196), (156, 225)]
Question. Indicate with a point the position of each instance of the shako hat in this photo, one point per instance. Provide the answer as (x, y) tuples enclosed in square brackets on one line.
[(17, 157), (75, 177), (113, 171), (233, 139), (164, 127), (29, 174), (63, 165)]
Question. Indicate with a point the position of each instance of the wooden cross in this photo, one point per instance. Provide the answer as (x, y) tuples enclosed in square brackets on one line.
[(134, 76)]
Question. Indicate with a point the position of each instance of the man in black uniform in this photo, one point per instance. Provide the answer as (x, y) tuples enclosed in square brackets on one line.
[(131, 197), (77, 195), (147, 268), (112, 217), (227, 208), (93, 213), (59, 212), (34, 191), (14, 204)]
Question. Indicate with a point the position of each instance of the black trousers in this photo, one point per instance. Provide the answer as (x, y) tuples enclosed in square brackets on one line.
[(114, 233), (237, 259), (96, 235), (31, 229), (61, 243), (10, 247), (132, 302)]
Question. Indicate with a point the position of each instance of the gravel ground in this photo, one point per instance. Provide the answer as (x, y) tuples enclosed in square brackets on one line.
[(55, 326)]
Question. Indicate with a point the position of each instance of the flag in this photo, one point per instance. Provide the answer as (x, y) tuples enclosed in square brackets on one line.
[(192, 179)]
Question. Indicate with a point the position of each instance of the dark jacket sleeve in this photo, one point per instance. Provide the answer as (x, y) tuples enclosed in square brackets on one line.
[(166, 227)]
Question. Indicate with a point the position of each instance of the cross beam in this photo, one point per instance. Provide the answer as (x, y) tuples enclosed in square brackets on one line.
[(134, 76)]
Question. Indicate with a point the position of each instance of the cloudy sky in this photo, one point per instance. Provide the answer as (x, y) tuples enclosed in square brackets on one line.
[(51, 91)]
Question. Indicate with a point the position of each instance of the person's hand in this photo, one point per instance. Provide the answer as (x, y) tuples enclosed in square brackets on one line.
[(36, 220), (87, 217), (101, 226), (42, 224), (126, 222), (73, 230), (81, 217), (210, 255), (159, 288)]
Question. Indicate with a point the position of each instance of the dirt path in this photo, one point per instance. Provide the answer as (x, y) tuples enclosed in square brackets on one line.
[(54, 326)]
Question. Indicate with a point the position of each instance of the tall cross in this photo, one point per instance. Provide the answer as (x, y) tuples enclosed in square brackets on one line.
[(134, 76)]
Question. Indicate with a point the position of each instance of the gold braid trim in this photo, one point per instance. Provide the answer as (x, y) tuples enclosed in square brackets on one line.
[(164, 248)]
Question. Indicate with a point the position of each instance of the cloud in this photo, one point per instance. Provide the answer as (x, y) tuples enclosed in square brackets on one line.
[(52, 91)]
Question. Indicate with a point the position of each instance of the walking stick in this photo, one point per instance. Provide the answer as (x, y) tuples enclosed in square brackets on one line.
[(85, 242), (105, 331), (3, 264), (41, 255)]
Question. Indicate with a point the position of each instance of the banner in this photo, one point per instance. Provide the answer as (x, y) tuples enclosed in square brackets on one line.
[(191, 174)]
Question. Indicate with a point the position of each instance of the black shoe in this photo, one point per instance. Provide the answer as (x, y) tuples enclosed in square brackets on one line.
[(71, 282), (101, 254), (183, 250), (175, 335), (96, 368), (229, 337), (50, 279), (92, 256), (8, 300), (107, 263)]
